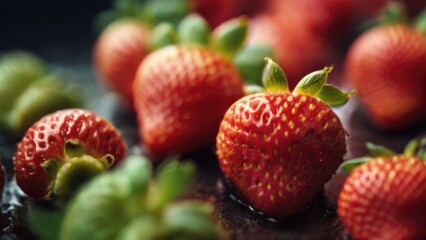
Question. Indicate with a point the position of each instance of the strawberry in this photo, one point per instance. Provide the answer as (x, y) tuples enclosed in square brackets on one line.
[(279, 148), (118, 53), (216, 11), (182, 91), (385, 197), (63, 149), (386, 66), (289, 41)]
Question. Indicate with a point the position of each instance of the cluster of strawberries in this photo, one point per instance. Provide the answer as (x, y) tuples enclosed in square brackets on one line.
[(279, 143)]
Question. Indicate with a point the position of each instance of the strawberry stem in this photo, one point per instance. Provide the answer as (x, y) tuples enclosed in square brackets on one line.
[(230, 36), (193, 29), (273, 77)]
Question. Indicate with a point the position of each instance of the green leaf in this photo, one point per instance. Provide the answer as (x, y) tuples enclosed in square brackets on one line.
[(352, 164), (139, 171), (420, 22), (379, 151), (45, 222), (100, 209), (192, 220), (333, 96), (162, 35), (172, 181), (230, 36), (312, 83), (193, 29), (273, 77), (250, 61)]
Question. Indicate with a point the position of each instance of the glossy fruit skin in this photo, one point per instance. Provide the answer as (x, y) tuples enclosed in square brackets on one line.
[(279, 149), (296, 49), (181, 94), (386, 66), (385, 199), (118, 53), (46, 139)]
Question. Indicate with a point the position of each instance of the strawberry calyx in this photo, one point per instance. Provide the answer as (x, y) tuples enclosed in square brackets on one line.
[(126, 201), (313, 84), (75, 168), (393, 13), (414, 148)]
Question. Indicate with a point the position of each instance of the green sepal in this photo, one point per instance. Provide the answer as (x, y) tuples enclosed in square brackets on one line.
[(73, 173), (105, 18), (378, 151), (312, 83), (230, 36), (354, 163), (40, 98), (172, 180), (416, 147), (44, 222), (420, 22), (193, 29), (139, 172), (162, 35), (273, 77), (333, 96), (250, 62), (394, 13), (192, 220), (99, 210)]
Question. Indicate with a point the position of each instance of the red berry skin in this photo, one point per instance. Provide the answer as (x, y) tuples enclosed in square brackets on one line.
[(181, 94), (216, 11), (46, 139), (385, 199), (118, 53), (387, 67), (279, 149)]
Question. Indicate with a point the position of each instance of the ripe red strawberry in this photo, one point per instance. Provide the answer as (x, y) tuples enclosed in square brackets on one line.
[(216, 11), (118, 53), (297, 49), (385, 199), (181, 94), (63, 149), (279, 148), (386, 66), (182, 90)]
